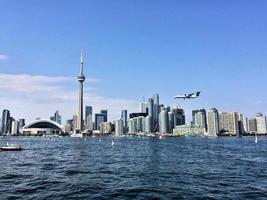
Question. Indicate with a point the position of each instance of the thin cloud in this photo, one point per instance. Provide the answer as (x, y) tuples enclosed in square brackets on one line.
[(3, 57), (30, 96)]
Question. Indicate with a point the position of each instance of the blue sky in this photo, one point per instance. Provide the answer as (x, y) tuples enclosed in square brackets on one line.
[(132, 49)]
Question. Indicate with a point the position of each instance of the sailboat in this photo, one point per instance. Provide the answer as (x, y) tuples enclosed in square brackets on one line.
[(256, 138), (112, 143)]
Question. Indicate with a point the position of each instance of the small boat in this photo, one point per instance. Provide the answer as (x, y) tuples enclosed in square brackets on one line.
[(76, 134), (256, 138), (112, 143), (11, 148), (160, 137)]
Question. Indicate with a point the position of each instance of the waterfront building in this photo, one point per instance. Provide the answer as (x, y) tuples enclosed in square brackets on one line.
[(229, 123), (21, 123), (213, 122), (105, 128), (148, 124), (163, 121), (105, 113), (179, 116), (243, 123), (199, 118), (88, 114), (188, 130), (6, 122), (261, 123), (89, 122), (81, 79), (132, 124), (140, 125), (136, 124), (43, 127), (99, 118), (193, 115), (15, 127), (150, 105), (75, 122), (252, 125), (156, 111), (119, 127), (170, 121), (124, 120)]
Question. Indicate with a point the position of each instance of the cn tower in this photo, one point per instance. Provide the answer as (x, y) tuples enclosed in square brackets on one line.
[(81, 79)]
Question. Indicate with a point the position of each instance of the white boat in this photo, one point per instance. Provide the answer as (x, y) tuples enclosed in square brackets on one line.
[(112, 143), (11, 148), (76, 135), (256, 138)]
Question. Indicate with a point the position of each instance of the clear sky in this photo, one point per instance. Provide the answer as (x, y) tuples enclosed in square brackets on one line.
[(132, 49)]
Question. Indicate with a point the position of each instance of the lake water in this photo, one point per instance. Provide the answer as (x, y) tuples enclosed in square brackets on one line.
[(135, 168)]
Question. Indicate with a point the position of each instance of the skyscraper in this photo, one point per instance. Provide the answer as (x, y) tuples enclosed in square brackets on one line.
[(229, 122), (88, 116), (213, 122), (81, 79), (163, 121), (99, 118), (124, 120), (252, 125), (261, 123), (199, 118), (21, 123), (148, 124), (105, 112), (156, 111), (150, 105), (6, 123), (118, 127), (179, 116), (56, 117)]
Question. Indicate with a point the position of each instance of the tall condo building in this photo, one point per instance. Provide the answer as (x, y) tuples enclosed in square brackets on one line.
[(89, 117), (150, 106), (6, 122), (252, 125), (163, 121), (81, 79), (21, 123), (261, 123), (99, 118), (124, 120), (156, 111), (148, 124), (118, 127), (105, 112), (213, 122), (229, 122), (199, 118), (179, 116)]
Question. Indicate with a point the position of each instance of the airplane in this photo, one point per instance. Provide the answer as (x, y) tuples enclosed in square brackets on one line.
[(188, 96)]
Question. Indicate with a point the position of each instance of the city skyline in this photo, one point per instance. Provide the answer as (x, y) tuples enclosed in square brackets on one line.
[(225, 58)]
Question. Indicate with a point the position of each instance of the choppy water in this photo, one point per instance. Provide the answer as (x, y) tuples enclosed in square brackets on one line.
[(135, 168)]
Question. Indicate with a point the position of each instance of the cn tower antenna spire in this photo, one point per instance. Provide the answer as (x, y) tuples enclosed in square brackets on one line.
[(81, 70)]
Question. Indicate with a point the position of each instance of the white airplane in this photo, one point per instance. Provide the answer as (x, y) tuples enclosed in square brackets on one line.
[(188, 96)]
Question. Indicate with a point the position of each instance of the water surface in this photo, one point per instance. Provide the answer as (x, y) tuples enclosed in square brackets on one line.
[(134, 168)]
